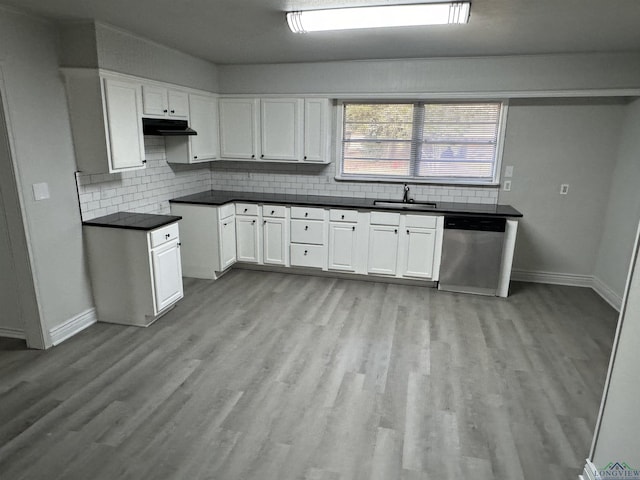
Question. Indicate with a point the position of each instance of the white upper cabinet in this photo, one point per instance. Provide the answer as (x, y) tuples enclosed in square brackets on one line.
[(203, 147), (274, 129), (316, 129), (126, 143), (159, 101), (204, 120), (239, 127), (281, 128), (106, 121)]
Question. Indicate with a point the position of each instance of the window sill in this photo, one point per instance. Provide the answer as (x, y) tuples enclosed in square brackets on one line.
[(415, 181)]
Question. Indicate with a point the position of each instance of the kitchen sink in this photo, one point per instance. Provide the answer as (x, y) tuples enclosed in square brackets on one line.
[(400, 205)]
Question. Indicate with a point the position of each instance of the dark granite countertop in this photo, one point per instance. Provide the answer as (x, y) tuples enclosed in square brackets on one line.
[(220, 197), (132, 221)]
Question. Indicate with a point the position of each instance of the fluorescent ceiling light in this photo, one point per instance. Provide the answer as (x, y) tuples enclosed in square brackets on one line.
[(376, 17)]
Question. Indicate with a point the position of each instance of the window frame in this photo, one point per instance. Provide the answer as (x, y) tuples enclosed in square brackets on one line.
[(494, 182)]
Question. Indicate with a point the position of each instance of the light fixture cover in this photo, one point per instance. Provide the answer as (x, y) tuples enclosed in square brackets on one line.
[(377, 17)]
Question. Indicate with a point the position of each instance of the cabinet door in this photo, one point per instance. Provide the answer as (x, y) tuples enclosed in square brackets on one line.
[(281, 124), (124, 123), (204, 120), (247, 240), (227, 242), (154, 101), (167, 275), (178, 104), (342, 246), (316, 111), (419, 246), (274, 243), (383, 249), (238, 127)]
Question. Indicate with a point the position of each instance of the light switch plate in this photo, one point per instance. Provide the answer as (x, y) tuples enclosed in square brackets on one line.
[(506, 186), (40, 191), (508, 171)]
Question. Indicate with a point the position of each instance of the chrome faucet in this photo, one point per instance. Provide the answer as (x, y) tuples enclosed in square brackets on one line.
[(405, 197)]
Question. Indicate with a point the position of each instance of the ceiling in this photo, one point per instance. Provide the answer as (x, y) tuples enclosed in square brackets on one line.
[(255, 31)]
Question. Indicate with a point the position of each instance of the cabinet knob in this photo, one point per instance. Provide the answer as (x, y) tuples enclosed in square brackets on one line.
[(144, 161), (253, 222), (261, 156), (305, 252), (353, 228), (272, 212), (305, 157), (306, 227), (195, 156), (264, 222), (165, 110), (306, 214), (168, 235), (245, 209), (253, 156), (173, 111), (407, 232), (395, 231), (342, 216), (179, 244)]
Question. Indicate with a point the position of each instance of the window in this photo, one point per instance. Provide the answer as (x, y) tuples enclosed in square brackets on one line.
[(439, 142)]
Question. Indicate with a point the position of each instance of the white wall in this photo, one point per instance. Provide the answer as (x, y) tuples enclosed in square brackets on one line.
[(623, 208), (124, 52), (38, 118), (551, 142), (524, 74)]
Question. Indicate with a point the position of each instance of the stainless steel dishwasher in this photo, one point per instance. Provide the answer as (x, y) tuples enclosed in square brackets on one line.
[(471, 254)]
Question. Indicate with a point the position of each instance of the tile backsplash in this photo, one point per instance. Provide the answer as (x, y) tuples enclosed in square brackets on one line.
[(143, 191), (311, 179), (149, 190)]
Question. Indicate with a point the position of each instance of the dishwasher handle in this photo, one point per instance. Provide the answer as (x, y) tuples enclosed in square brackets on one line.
[(482, 224)]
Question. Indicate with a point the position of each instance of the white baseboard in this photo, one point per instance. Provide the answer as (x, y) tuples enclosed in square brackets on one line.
[(571, 280), (72, 326), (590, 472), (12, 333), (609, 296), (554, 278)]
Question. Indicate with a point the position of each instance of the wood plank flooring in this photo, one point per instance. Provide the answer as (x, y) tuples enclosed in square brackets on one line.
[(265, 375)]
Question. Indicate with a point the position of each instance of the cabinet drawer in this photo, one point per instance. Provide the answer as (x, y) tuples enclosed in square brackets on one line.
[(246, 209), (303, 231), (274, 211), (424, 221), (384, 218), (164, 234), (226, 210), (307, 256), (343, 215), (307, 213)]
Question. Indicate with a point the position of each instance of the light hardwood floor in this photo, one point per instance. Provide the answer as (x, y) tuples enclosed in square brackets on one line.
[(276, 376)]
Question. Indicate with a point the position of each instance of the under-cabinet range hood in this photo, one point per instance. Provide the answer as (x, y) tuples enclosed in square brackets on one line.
[(164, 127)]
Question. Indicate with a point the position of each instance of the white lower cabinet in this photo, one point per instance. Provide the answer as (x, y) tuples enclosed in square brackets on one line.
[(247, 239), (343, 246), (136, 274), (383, 249), (274, 235), (167, 275), (308, 242), (227, 229), (418, 246)]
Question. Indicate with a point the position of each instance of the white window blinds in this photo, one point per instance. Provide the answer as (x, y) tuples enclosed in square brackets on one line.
[(442, 142)]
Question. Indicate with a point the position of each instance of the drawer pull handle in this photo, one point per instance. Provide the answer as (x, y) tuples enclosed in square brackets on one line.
[(272, 212), (168, 235), (253, 222), (245, 210), (306, 227), (342, 217), (306, 214)]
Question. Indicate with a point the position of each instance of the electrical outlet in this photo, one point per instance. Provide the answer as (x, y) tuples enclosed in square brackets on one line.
[(564, 189), (506, 186), (508, 171), (40, 191)]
